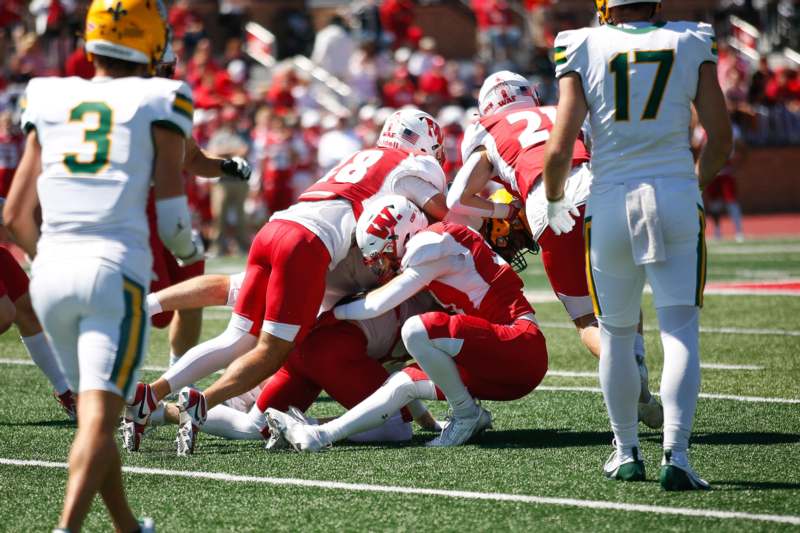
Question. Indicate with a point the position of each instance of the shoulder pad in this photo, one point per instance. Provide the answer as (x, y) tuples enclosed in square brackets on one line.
[(569, 51), (424, 247), (426, 168), (172, 104)]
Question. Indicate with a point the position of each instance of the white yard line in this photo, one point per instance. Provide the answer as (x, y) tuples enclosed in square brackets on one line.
[(559, 373), (593, 373), (753, 249), (459, 494), (724, 366), (704, 395)]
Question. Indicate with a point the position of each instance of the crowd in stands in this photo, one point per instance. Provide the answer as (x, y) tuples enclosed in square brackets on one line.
[(274, 117)]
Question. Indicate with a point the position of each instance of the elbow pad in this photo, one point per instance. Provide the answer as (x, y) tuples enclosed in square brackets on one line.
[(175, 226)]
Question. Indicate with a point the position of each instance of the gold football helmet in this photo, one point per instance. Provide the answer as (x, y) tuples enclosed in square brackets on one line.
[(603, 5), (131, 30), (510, 239)]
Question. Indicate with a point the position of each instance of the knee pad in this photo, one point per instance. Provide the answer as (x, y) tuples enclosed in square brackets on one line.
[(674, 319), (414, 334), (617, 331)]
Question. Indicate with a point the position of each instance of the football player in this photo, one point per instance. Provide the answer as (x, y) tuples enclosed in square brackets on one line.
[(89, 159), (285, 282), (508, 142), (486, 344), (637, 80), (16, 308)]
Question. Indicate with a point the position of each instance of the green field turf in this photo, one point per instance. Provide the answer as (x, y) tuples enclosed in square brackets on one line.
[(551, 444)]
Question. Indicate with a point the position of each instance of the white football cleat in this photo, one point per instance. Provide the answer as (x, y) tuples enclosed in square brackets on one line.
[(631, 468), (193, 413), (147, 525), (137, 415), (301, 436), (457, 430)]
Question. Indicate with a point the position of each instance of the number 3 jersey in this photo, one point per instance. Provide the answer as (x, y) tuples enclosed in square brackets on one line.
[(639, 80), (97, 161)]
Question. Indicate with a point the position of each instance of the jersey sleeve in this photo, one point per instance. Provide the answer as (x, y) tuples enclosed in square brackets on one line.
[(29, 104), (698, 45), (570, 53), (172, 106), (415, 189), (426, 168), (473, 138)]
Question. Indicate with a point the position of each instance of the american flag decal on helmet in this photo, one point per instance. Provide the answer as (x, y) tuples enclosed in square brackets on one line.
[(409, 135)]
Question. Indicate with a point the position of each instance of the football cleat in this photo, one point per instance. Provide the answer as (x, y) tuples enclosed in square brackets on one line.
[(677, 475), (630, 469), (137, 414), (67, 402), (193, 413), (300, 436), (275, 439), (457, 430), (147, 525)]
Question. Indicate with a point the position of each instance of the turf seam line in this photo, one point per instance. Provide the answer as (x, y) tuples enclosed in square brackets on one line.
[(364, 487), (706, 395)]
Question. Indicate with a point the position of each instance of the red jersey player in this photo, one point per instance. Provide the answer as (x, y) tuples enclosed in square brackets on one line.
[(508, 144), (285, 284), (487, 346)]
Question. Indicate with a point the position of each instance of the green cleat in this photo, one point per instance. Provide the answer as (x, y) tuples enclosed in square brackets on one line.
[(630, 470), (677, 475)]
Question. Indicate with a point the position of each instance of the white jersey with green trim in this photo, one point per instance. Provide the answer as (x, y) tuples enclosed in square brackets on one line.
[(97, 161), (639, 80)]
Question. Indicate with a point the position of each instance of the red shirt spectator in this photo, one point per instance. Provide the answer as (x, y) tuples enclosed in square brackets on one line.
[(399, 91), (10, 153), (11, 12), (79, 65), (491, 13), (433, 82), (397, 17)]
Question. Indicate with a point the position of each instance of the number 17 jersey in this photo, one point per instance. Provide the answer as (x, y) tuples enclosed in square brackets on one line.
[(639, 80)]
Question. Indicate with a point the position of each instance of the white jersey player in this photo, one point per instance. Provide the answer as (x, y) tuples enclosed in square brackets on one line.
[(92, 149), (644, 220)]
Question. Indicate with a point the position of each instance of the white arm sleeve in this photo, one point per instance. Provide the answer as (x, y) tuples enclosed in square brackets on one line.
[(415, 189), (383, 299), (175, 225), (454, 202)]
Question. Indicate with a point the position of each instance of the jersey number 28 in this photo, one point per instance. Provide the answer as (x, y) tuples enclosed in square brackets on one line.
[(620, 67)]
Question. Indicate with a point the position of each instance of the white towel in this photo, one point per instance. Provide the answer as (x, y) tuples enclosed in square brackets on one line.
[(644, 224)]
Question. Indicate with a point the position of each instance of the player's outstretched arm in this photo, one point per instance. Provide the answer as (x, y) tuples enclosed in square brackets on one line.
[(20, 207), (172, 209), (194, 293), (398, 290), (572, 110), (199, 163), (463, 197), (713, 115)]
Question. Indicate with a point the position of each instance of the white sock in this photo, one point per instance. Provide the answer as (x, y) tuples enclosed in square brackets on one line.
[(680, 381), (639, 352), (398, 391), (208, 357), (736, 216), (229, 423), (619, 379), (42, 354), (439, 365), (153, 305), (393, 430)]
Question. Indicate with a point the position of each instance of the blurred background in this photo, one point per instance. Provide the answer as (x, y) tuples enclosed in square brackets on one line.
[(294, 86)]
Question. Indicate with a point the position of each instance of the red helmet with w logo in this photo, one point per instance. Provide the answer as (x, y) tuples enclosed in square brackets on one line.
[(383, 230)]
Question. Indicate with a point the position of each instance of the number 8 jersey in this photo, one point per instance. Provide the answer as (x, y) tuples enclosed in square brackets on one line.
[(639, 80), (97, 160)]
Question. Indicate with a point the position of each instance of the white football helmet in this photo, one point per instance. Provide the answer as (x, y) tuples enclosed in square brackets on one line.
[(383, 230), (503, 89), (413, 130)]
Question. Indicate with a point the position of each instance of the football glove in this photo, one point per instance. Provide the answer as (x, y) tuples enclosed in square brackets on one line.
[(236, 167), (560, 215)]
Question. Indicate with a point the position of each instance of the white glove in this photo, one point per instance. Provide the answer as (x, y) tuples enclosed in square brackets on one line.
[(199, 251), (560, 213)]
